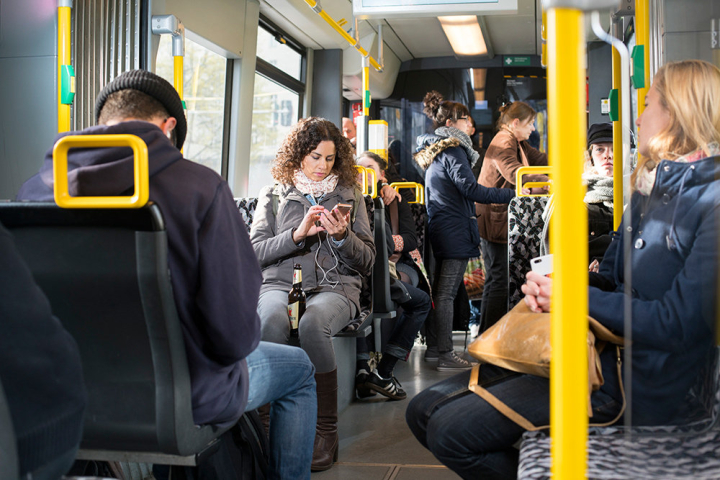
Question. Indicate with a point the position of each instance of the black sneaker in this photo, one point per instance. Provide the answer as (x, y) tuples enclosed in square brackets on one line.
[(390, 387), (361, 388)]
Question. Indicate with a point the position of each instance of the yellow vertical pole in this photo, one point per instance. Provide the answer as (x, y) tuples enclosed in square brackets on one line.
[(366, 87), (64, 55), (617, 142), (178, 74), (642, 37), (567, 131)]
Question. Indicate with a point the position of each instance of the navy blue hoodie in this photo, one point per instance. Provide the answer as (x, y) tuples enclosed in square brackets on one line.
[(215, 274), (39, 366)]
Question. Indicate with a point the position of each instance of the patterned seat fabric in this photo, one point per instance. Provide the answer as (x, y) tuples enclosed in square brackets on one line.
[(525, 226), (419, 214), (686, 451), (246, 206)]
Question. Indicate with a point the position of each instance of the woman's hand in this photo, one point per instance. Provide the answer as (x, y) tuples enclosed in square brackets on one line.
[(307, 227), (334, 223), (389, 194), (534, 191), (594, 266), (537, 291)]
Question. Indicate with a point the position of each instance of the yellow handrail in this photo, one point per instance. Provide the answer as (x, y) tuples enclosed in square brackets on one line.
[(363, 178), (368, 187), (642, 36), (617, 142), (536, 170), (64, 55), (419, 190), (140, 171), (567, 137), (317, 8)]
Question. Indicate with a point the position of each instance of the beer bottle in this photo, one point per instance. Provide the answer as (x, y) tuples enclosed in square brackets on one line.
[(296, 300)]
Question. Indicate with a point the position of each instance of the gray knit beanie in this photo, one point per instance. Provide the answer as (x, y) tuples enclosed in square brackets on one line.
[(153, 85)]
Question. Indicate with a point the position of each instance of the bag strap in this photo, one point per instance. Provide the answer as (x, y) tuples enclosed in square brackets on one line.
[(526, 424)]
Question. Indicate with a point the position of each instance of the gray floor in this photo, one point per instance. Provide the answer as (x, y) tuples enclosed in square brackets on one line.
[(375, 441)]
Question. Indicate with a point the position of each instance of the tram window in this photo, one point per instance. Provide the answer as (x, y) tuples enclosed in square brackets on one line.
[(271, 49), (275, 110), (204, 94)]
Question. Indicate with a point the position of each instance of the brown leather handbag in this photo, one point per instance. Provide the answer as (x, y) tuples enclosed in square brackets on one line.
[(520, 341)]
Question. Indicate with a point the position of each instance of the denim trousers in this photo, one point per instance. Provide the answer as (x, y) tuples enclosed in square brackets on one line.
[(284, 377), (448, 275), (495, 293), (402, 338), (470, 436), (326, 313)]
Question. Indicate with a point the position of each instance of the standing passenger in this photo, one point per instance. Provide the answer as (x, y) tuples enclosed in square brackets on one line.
[(450, 192), (674, 225), (215, 275), (296, 223), (349, 130), (507, 152)]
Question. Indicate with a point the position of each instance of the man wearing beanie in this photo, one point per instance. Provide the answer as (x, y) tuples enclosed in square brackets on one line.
[(215, 275)]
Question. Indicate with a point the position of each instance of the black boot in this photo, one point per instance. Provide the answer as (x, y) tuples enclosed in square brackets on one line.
[(325, 450), (264, 412)]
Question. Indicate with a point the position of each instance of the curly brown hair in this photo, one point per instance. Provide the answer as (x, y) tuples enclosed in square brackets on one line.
[(305, 136)]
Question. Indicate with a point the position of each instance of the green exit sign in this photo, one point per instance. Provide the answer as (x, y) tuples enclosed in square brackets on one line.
[(516, 61)]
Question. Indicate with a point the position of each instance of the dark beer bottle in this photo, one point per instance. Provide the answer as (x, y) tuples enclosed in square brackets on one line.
[(296, 300)]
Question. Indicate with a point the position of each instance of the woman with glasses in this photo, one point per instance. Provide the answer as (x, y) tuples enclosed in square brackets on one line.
[(508, 151), (450, 192)]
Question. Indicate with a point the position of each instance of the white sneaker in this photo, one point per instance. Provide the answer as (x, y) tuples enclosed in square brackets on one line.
[(474, 330)]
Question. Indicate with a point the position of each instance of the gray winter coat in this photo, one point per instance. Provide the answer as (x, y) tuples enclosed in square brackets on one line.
[(272, 240)]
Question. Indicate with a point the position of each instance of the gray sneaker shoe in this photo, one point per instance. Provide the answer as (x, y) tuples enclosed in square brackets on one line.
[(451, 362), (431, 354)]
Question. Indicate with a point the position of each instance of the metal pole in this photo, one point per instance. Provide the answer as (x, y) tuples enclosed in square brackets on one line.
[(567, 138)]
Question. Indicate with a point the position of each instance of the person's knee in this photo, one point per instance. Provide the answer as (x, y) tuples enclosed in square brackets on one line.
[(313, 328)]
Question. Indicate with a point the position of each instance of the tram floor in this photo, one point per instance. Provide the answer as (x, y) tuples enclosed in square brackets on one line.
[(375, 441)]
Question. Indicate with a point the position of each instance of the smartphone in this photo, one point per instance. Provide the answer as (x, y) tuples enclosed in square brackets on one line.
[(342, 208), (542, 265)]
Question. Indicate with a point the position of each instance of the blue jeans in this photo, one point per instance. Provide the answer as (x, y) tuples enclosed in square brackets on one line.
[(449, 274), (470, 436), (402, 338), (285, 377)]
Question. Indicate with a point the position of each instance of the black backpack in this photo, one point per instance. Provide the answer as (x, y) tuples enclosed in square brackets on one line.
[(242, 455)]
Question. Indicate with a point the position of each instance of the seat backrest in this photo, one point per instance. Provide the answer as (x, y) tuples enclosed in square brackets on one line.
[(419, 214), (105, 272), (525, 226), (382, 303), (247, 206), (9, 466)]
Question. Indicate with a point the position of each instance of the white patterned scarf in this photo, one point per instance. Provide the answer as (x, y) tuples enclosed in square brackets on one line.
[(311, 187), (464, 141)]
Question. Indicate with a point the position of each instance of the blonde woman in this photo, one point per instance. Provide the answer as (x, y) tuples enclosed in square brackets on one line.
[(674, 278)]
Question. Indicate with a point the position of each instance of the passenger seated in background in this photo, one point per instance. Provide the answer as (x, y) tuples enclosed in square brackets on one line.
[(296, 223), (401, 243), (674, 263), (215, 275), (349, 131), (598, 178), (40, 372), (450, 192)]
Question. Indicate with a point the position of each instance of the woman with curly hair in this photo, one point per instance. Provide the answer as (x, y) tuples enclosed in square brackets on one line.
[(296, 223)]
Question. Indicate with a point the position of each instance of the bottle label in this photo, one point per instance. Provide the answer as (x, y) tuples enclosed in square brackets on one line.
[(297, 276), (294, 314)]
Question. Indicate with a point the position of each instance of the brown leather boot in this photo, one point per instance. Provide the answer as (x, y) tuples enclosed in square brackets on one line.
[(264, 412), (325, 450)]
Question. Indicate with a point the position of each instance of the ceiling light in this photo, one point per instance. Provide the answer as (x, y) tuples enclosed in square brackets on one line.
[(464, 34)]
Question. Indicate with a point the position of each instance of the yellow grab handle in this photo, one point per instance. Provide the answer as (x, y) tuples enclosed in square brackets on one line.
[(536, 170), (140, 171), (373, 184), (419, 190), (363, 178)]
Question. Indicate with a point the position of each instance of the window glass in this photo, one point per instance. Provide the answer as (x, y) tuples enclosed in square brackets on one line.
[(278, 55), (204, 94), (275, 111)]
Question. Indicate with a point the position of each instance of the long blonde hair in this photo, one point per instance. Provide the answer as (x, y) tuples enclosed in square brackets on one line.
[(690, 92)]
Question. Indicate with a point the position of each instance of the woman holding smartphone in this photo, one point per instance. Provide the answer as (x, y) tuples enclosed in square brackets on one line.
[(299, 221)]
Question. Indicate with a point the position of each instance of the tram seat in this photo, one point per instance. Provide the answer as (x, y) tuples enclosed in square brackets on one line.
[(687, 451), (105, 272), (8, 450), (525, 226)]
